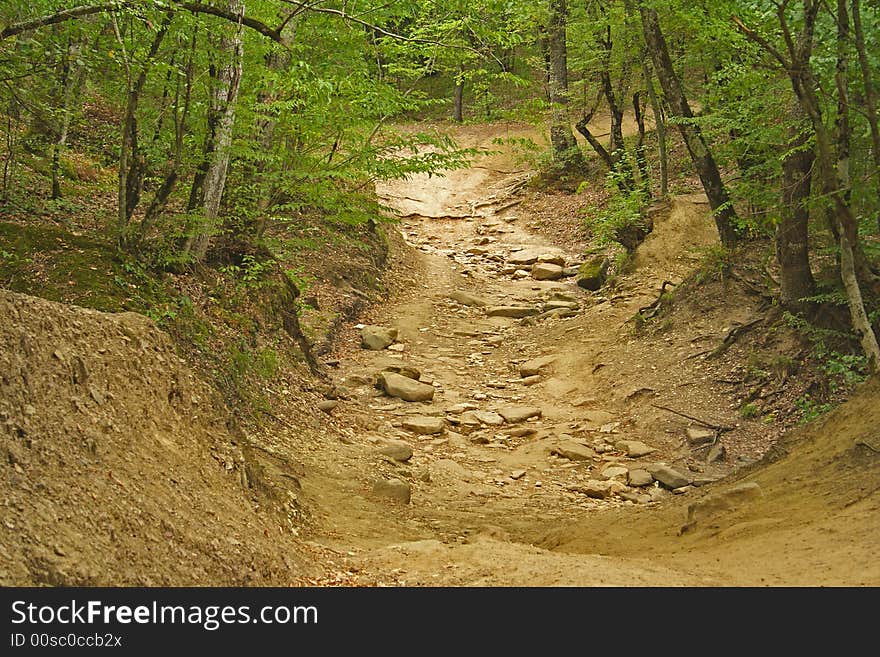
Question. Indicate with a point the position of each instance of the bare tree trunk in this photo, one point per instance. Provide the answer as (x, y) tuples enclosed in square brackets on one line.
[(130, 167), (792, 238), (181, 114), (565, 148), (226, 97), (870, 90), (458, 98), (659, 129), (641, 160), (704, 163)]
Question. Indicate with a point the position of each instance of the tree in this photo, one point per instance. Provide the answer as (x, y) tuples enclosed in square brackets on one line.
[(719, 200)]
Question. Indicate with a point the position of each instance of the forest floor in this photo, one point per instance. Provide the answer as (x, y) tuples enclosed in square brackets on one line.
[(621, 458)]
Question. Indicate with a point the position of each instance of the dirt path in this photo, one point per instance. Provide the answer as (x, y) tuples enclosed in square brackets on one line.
[(501, 500), (480, 488)]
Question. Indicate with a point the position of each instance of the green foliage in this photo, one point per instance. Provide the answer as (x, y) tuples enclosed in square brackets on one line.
[(714, 263), (810, 409), (620, 216)]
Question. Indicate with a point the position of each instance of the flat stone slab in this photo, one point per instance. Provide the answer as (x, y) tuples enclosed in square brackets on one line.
[(572, 451), (546, 271), (468, 299), (425, 425), (669, 477), (517, 414), (514, 312), (634, 448), (405, 388), (540, 365), (482, 417)]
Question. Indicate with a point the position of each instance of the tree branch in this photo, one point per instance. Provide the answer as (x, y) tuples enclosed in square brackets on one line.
[(87, 10)]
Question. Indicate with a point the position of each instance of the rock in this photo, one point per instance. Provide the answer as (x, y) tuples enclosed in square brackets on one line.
[(468, 299), (669, 477), (398, 450), (568, 272), (532, 380), (482, 417), (552, 259), (572, 451), (458, 409), (638, 478), (377, 337), (424, 424), (515, 312), (517, 414), (561, 305), (592, 274), (521, 432), (545, 271), (525, 256), (613, 471), (403, 387), (634, 448), (404, 369), (697, 436), (328, 405), (596, 489), (394, 489), (517, 474), (541, 365)]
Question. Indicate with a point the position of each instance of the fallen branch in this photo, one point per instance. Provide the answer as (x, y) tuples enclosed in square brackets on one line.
[(718, 427), (731, 337)]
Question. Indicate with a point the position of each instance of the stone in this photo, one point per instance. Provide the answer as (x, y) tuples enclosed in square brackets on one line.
[(482, 417), (403, 387), (525, 256), (638, 478), (397, 450), (535, 366), (561, 305), (697, 436), (669, 477), (521, 432), (409, 371), (517, 414), (425, 425), (572, 451), (394, 489), (468, 299), (634, 448), (613, 471), (552, 259), (514, 312), (595, 489), (328, 405), (568, 272), (592, 274), (517, 474), (532, 380), (377, 338), (546, 271)]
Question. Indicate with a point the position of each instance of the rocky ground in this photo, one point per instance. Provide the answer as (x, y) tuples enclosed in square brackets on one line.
[(499, 420)]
